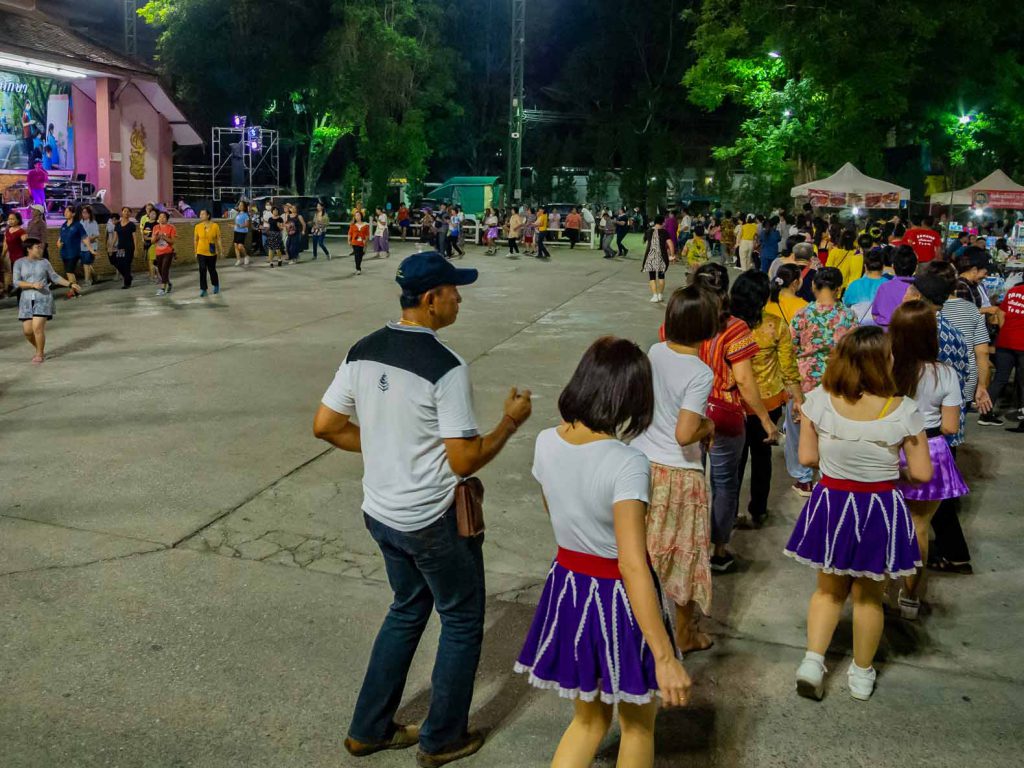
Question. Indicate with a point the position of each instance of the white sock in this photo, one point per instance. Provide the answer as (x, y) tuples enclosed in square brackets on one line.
[(860, 670), (814, 657)]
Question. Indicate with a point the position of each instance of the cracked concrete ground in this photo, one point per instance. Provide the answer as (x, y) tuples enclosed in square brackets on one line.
[(186, 579)]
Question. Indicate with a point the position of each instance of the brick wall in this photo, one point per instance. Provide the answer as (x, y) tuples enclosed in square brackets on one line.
[(183, 247)]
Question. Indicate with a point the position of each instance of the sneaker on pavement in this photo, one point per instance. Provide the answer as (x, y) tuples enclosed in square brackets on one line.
[(654, 298), (202, 294), (216, 290), (468, 745), (238, 262), (861, 682), (804, 489), (722, 563), (910, 607), (161, 292), (990, 419), (810, 677)]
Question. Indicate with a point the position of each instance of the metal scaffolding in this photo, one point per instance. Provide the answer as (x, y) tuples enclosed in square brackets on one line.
[(131, 26), (259, 171), (517, 46)]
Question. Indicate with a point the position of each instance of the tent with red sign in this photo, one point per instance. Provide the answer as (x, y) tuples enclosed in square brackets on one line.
[(849, 187), (997, 190)]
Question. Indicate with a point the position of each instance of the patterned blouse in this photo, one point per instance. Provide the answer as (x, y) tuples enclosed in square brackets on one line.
[(816, 331), (733, 345), (775, 363)]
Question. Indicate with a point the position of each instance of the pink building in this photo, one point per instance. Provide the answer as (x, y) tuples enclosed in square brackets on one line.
[(106, 118)]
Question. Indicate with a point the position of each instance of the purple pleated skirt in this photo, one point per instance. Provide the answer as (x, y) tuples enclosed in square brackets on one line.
[(585, 642), (946, 482), (861, 533)]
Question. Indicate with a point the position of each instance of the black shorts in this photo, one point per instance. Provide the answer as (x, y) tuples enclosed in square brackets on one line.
[(240, 238), (71, 265)]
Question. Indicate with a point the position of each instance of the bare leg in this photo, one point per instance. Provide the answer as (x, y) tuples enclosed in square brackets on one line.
[(654, 287), (823, 612), (583, 736), (39, 334), (689, 638), (661, 287), (636, 749), (868, 620), (90, 274), (30, 336), (921, 512)]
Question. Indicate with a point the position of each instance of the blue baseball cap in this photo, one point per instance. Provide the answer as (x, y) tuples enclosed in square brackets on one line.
[(425, 271)]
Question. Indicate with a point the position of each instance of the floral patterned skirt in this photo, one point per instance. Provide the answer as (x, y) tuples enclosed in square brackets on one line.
[(679, 534)]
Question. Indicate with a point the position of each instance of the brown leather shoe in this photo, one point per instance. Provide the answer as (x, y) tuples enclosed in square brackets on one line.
[(405, 736), (464, 747)]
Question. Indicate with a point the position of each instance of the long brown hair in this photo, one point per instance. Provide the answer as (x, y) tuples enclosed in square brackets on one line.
[(860, 365), (915, 343)]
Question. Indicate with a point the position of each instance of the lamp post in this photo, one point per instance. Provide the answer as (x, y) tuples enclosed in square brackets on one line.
[(517, 45)]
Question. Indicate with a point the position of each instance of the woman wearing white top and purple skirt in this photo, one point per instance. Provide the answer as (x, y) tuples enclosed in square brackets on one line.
[(601, 633), (855, 529)]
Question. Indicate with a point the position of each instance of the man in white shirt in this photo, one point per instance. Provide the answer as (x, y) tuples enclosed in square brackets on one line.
[(418, 436)]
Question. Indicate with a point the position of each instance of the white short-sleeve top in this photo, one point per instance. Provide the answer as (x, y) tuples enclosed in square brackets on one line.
[(863, 451), (581, 484)]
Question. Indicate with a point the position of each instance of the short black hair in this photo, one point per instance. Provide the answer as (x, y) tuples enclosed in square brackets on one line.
[(904, 261), (828, 277), (865, 241), (692, 316), (410, 300), (611, 391), (749, 295), (659, 219), (30, 242), (933, 287), (874, 260)]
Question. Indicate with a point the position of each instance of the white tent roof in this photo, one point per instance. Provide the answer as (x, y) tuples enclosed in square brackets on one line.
[(997, 180), (850, 181)]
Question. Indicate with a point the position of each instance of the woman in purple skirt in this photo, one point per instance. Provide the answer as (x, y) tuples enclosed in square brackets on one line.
[(601, 635), (855, 528), (936, 389)]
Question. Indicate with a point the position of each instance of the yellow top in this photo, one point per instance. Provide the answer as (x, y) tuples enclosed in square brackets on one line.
[(786, 307), (207, 232), (748, 231), (850, 263), (775, 363), (542, 222)]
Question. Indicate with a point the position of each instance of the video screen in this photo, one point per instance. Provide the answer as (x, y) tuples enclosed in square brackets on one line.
[(36, 123)]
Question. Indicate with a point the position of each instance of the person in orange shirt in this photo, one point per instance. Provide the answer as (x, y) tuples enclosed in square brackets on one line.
[(163, 246), (358, 235)]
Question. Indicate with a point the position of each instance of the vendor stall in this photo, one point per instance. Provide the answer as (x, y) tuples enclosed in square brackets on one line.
[(848, 187), (997, 190)]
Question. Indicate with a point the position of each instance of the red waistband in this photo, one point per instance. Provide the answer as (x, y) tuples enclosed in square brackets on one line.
[(857, 486), (588, 565)]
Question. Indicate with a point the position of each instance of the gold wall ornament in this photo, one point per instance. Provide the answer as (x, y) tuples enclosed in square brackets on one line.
[(137, 160)]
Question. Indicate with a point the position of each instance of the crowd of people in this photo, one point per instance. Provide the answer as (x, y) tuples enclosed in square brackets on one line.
[(862, 352)]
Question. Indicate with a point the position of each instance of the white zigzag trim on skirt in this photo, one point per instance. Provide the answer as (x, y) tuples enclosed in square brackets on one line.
[(576, 693), (856, 574)]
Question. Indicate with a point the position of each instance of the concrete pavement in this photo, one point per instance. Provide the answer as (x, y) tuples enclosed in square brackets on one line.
[(186, 580)]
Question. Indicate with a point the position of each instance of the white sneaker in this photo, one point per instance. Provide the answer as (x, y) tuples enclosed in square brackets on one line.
[(246, 262), (661, 297), (810, 677), (238, 262), (655, 299), (861, 682), (910, 607)]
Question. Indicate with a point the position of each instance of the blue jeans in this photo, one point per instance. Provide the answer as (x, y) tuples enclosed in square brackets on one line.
[(724, 456), (430, 567), (796, 470), (319, 241)]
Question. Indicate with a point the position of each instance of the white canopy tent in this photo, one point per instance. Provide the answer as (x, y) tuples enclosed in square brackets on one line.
[(995, 181), (848, 186)]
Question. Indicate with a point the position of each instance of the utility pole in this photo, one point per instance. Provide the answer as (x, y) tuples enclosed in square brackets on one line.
[(131, 17), (517, 45)]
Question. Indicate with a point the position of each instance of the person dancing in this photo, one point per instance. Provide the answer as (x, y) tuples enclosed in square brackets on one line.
[(600, 634), (33, 275), (855, 529)]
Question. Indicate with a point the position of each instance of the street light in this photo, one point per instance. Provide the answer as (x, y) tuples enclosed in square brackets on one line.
[(787, 113), (774, 55), (965, 119)]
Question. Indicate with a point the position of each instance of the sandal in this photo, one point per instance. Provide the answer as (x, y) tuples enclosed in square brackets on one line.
[(942, 565)]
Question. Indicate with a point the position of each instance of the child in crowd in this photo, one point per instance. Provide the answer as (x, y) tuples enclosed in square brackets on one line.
[(600, 634), (678, 532), (853, 428)]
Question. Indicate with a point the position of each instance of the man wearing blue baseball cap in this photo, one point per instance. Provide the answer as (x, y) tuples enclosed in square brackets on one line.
[(418, 436)]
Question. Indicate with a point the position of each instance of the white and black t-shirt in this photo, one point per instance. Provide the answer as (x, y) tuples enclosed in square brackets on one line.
[(937, 388), (408, 392)]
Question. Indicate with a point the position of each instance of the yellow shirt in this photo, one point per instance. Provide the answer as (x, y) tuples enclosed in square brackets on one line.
[(542, 223), (207, 232), (850, 263), (775, 363), (786, 307), (748, 231)]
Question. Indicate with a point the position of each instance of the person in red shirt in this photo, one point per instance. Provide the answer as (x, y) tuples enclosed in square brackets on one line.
[(12, 248), (926, 242), (1010, 350), (358, 235)]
